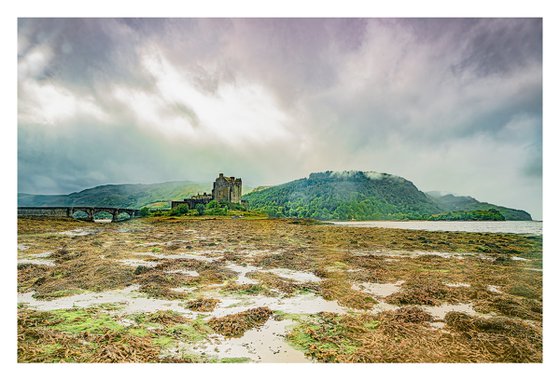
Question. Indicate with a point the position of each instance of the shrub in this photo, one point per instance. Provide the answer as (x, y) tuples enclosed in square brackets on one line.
[(180, 210)]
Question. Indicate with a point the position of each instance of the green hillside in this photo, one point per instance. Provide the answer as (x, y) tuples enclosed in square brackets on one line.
[(361, 195), (123, 195), (344, 196)]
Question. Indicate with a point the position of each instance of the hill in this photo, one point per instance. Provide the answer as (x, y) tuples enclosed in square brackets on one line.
[(345, 195), (362, 195), (121, 195), (453, 203)]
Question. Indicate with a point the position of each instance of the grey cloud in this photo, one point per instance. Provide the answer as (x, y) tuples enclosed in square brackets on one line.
[(498, 46), (87, 51), (434, 100)]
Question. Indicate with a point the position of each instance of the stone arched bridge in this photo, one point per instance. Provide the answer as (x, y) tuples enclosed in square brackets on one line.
[(68, 211)]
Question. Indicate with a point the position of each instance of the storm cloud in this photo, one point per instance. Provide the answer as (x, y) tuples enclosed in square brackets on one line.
[(450, 104)]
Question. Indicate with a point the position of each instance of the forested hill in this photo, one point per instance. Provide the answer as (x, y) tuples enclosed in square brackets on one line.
[(345, 195), (121, 195), (362, 195)]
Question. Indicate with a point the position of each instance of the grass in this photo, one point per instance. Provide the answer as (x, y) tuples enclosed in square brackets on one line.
[(404, 335), (245, 289), (83, 320), (329, 337), (87, 335), (95, 335)]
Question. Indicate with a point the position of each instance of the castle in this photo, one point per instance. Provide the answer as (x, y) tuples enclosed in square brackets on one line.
[(225, 189)]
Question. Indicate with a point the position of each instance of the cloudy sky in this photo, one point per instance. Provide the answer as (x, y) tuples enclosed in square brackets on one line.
[(451, 104)]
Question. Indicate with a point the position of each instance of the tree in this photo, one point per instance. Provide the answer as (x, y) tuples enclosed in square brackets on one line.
[(144, 212), (199, 209), (180, 210)]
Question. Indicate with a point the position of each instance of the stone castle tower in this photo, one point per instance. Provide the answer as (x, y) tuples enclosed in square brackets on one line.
[(227, 189)]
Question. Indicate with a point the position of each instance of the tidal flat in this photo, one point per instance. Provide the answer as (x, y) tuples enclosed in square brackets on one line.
[(274, 290)]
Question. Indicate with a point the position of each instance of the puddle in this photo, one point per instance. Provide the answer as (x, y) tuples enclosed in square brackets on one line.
[(149, 244), (394, 254), (132, 301), (251, 253), (378, 289), (103, 220), (22, 246), (533, 269), (382, 307), (518, 259), (407, 254), (37, 259), (299, 304), (265, 344), (186, 290), (457, 284), (43, 262), (181, 256), (44, 254), (184, 272), (242, 273), (78, 232), (130, 230), (177, 242), (494, 289), (298, 276), (439, 312), (437, 324), (447, 255), (138, 262)]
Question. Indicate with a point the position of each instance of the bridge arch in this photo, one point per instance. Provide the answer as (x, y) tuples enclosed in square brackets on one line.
[(81, 213)]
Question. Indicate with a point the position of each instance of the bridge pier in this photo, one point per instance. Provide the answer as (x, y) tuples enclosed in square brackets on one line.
[(115, 215)]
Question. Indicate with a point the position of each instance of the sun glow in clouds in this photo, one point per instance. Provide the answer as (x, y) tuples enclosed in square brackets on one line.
[(234, 114)]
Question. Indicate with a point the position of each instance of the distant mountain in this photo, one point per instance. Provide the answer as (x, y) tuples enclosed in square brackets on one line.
[(122, 195), (362, 195), (453, 203)]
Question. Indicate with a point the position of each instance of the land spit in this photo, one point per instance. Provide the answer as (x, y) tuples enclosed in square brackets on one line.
[(201, 290)]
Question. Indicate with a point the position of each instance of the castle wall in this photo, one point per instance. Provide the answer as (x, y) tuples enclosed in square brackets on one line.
[(227, 189), (236, 192)]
